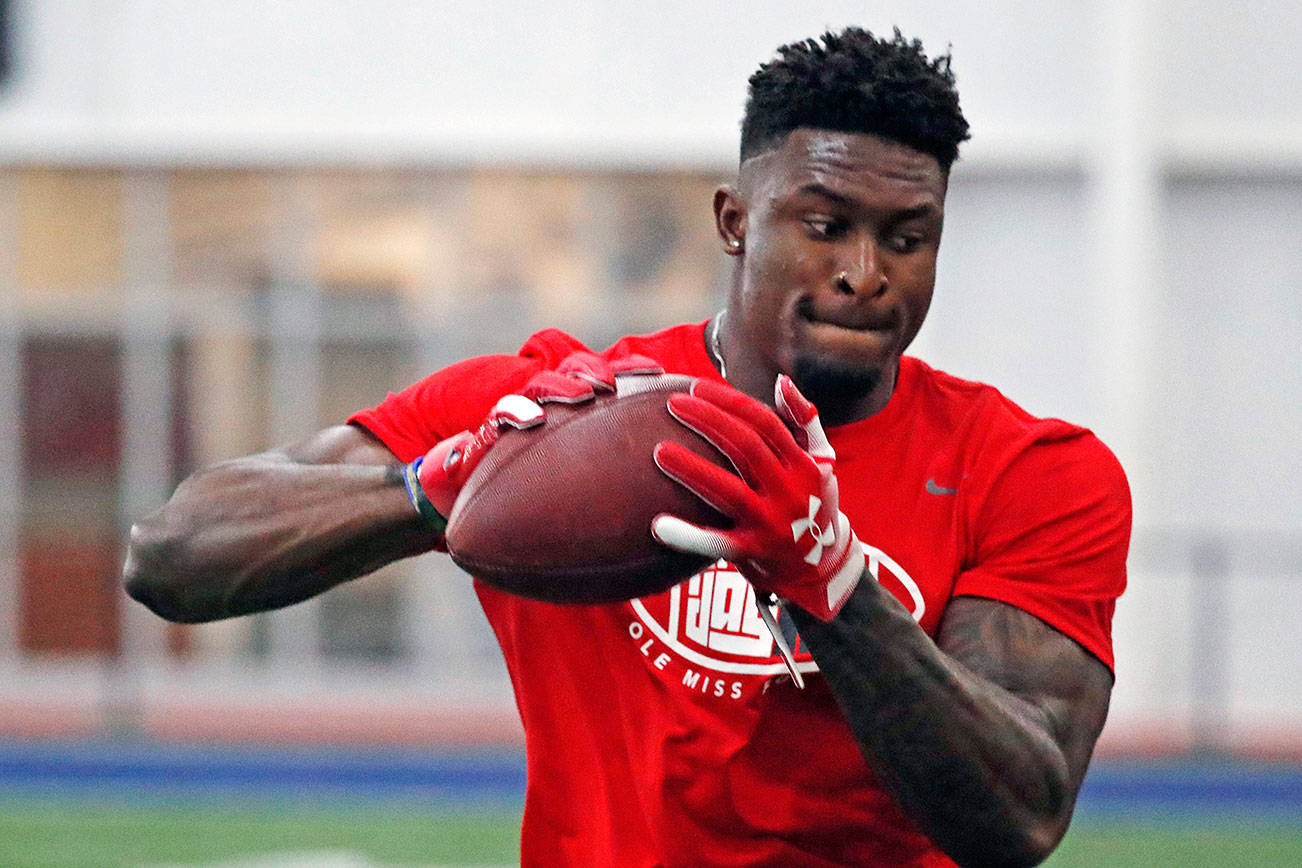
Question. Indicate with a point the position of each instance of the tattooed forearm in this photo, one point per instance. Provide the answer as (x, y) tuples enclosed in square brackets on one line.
[(982, 736)]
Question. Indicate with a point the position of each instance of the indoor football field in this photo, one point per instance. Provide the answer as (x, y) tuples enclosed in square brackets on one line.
[(115, 804), (33, 833)]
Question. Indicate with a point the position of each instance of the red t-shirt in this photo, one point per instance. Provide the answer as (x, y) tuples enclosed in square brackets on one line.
[(664, 732)]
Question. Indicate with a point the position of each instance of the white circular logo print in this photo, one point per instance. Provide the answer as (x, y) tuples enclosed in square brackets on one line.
[(712, 619)]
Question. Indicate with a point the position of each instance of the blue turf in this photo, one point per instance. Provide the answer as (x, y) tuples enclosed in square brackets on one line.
[(165, 769), (496, 777), (1195, 786)]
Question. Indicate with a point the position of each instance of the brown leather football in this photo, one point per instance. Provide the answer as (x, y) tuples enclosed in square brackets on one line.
[(562, 512)]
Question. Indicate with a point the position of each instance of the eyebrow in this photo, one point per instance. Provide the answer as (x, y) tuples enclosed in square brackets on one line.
[(926, 209), (816, 189)]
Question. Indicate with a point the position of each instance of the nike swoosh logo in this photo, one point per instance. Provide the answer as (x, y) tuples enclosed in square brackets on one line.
[(933, 488)]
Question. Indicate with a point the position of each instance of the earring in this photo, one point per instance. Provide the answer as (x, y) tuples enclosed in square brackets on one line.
[(734, 244)]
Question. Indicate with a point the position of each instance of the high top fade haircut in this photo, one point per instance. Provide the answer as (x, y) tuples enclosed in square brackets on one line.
[(854, 82)]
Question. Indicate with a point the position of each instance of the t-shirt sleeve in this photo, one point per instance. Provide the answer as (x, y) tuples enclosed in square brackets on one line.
[(1051, 536), (459, 396)]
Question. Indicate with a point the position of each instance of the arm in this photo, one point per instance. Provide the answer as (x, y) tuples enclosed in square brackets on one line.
[(273, 529), (983, 736), (276, 528)]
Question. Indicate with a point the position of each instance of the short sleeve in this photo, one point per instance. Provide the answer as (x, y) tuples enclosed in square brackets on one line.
[(459, 396), (1051, 535)]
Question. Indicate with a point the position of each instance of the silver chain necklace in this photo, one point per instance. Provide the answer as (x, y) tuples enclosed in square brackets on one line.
[(770, 621), (713, 344)]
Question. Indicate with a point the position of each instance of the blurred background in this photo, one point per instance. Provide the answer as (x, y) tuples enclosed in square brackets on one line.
[(226, 225)]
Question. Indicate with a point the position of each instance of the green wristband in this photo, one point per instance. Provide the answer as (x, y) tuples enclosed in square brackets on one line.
[(419, 499)]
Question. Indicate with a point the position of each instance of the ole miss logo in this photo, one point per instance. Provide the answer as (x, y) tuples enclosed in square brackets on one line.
[(711, 621)]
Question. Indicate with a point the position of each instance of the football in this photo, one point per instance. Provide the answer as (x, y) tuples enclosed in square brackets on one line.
[(562, 512)]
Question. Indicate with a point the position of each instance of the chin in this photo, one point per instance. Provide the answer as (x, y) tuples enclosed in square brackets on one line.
[(832, 381)]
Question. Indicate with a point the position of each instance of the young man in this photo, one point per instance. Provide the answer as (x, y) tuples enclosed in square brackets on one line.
[(947, 564)]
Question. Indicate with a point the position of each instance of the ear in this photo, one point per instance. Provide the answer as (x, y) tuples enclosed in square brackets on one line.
[(730, 219)]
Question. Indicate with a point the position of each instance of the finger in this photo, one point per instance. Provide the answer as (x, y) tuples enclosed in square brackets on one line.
[(450, 461), (589, 368), (465, 455), (447, 466), (759, 417), (457, 451), (516, 411), (684, 536), (638, 384), (722, 490), (635, 365), (556, 387), (798, 412), (749, 452)]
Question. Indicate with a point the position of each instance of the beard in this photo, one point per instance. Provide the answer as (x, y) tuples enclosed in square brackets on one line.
[(829, 383)]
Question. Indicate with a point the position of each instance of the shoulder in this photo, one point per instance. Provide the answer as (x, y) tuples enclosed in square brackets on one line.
[(1045, 509), (550, 346), (996, 429), (1018, 469), (460, 395), (478, 382), (938, 391), (679, 348), (469, 388)]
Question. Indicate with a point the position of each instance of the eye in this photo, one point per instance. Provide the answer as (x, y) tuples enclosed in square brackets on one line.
[(904, 243), (825, 228)]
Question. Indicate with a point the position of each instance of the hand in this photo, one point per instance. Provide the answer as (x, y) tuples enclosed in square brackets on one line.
[(434, 481), (789, 536), (580, 375)]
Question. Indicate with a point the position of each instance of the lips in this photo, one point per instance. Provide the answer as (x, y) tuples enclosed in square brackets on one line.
[(853, 317)]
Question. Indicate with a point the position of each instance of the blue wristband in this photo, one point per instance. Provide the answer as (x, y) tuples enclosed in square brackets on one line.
[(419, 499)]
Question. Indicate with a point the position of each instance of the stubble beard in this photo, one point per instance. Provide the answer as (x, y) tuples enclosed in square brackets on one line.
[(832, 384)]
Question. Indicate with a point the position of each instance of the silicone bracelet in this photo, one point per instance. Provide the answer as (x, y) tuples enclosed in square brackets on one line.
[(419, 499)]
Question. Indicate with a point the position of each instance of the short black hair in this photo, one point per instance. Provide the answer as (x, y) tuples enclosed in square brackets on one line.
[(854, 82)]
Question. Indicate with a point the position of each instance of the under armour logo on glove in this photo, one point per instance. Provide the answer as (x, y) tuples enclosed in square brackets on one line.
[(822, 536), (784, 491)]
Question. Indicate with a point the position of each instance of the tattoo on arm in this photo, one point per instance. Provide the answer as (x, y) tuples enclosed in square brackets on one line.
[(982, 736), (1067, 687)]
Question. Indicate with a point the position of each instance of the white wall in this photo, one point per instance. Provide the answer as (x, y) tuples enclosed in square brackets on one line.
[(588, 80), (1122, 244), (614, 81)]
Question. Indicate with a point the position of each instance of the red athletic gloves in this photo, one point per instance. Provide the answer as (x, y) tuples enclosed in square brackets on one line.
[(434, 481), (788, 536)]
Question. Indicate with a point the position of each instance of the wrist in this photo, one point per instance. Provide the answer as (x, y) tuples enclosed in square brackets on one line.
[(420, 501), (838, 576)]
